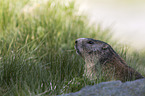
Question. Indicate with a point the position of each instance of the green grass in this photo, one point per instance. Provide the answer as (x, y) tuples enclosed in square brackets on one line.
[(37, 55)]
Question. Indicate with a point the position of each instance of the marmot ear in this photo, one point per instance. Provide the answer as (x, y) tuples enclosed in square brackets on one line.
[(105, 47)]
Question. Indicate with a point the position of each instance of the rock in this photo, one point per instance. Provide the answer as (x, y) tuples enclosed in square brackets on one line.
[(113, 88)]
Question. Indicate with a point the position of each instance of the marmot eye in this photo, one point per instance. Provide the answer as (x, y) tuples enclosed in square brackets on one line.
[(90, 42)]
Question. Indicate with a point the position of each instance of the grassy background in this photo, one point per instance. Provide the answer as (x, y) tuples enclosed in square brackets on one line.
[(37, 55)]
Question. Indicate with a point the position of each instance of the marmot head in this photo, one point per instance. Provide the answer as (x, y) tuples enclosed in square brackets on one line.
[(91, 49)]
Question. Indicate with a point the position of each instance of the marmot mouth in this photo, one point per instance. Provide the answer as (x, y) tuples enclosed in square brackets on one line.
[(77, 50)]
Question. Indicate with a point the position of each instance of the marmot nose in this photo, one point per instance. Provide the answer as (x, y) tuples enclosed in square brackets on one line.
[(76, 41)]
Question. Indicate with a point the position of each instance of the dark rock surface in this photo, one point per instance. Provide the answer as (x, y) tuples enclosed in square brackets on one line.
[(113, 88)]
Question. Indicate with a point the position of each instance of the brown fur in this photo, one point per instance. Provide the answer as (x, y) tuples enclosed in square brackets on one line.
[(98, 53)]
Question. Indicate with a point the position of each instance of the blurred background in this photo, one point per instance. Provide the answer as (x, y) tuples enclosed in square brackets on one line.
[(126, 18)]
